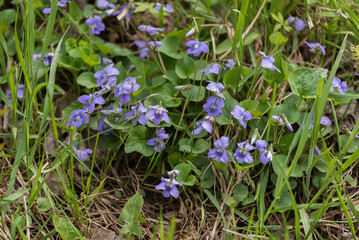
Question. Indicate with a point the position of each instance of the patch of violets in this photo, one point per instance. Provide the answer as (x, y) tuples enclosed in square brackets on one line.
[(169, 185), (267, 62), (196, 48), (60, 3), (168, 8), (315, 46), (95, 25), (298, 23)]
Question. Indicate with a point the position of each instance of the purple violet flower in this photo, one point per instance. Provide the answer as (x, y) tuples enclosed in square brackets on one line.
[(124, 89), (241, 115), (314, 46), (168, 185), (79, 117), (81, 154), (206, 125), (298, 24), (20, 93), (184, 87), (90, 101), (137, 114), (167, 8), (47, 59), (157, 114), (157, 141), (242, 153), (325, 121), (267, 62), (229, 65), (220, 153), (265, 155), (212, 69), (60, 3), (144, 50), (286, 122), (277, 120), (150, 30), (152, 44), (340, 85), (196, 48), (216, 88), (102, 3), (103, 127), (96, 25), (213, 106)]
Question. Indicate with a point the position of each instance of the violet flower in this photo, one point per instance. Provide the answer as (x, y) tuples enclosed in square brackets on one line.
[(242, 153), (325, 121), (216, 88), (103, 127), (340, 85), (286, 122), (298, 24), (19, 95), (96, 25), (220, 153), (196, 48), (102, 75), (241, 115), (150, 30), (184, 87), (265, 155), (277, 120), (190, 32), (81, 154), (212, 69), (206, 125), (314, 46), (144, 50), (60, 3), (156, 43), (137, 114), (213, 106), (78, 117), (157, 114), (229, 65), (168, 185), (158, 141), (267, 62), (47, 59), (167, 7), (90, 101), (124, 89), (102, 3)]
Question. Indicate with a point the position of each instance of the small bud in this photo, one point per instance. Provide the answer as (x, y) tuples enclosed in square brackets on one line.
[(287, 124), (255, 136), (191, 32)]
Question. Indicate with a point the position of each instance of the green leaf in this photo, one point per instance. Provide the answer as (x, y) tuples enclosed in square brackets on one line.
[(199, 146), (7, 16), (289, 109), (143, 6), (304, 81), (223, 46), (88, 10), (185, 67), (353, 182), (137, 142), (87, 80), (231, 78), (196, 93), (43, 204), (131, 214), (277, 38), (170, 47), (184, 177), (65, 228), (88, 59)]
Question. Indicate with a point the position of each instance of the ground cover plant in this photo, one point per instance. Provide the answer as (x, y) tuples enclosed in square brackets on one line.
[(179, 119)]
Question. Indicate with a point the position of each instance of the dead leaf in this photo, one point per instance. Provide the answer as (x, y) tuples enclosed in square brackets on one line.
[(105, 234)]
